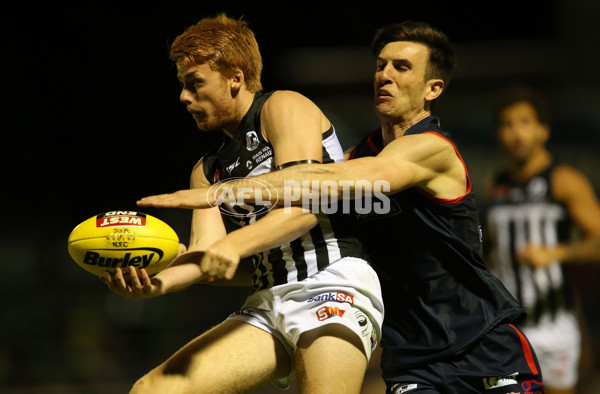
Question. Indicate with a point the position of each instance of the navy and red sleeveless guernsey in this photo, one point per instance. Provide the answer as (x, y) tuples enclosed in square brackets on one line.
[(439, 296), (249, 154)]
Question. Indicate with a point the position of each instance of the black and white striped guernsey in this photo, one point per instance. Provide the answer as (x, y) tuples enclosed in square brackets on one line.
[(248, 154), (527, 213)]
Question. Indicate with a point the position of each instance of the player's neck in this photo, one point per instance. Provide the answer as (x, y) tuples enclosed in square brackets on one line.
[(392, 130), (522, 171), (242, 105)]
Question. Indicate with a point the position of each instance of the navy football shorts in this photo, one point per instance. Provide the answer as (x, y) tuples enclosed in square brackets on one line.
[(503, 362)]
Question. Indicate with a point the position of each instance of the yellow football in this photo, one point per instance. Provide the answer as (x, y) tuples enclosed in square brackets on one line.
[(121, 239)]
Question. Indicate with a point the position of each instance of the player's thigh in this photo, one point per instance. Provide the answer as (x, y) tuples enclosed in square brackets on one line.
[(330, 359), (231, 357)]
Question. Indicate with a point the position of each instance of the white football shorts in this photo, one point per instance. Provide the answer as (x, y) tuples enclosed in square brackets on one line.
[(347, 292), (557, 346)]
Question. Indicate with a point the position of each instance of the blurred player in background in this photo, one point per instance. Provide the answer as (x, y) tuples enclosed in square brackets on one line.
[(316, 310), (534, 204), (447, 326)]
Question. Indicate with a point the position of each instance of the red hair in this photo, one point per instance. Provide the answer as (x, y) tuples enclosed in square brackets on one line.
[(223, 43)]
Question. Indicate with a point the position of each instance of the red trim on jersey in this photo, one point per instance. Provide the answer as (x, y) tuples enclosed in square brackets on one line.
[(352, 152), (526, 351), (445, 200), (372, 145), (370, 142)]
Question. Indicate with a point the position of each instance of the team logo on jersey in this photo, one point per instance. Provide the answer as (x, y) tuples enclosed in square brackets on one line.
[(327, 312), (537, 190), (252, 141), (499, 381)]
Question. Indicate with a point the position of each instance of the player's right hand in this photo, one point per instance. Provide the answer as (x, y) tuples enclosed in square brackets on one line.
[(221, 260)]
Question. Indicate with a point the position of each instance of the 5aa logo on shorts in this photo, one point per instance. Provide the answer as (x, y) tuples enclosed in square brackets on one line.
[(327, 312)]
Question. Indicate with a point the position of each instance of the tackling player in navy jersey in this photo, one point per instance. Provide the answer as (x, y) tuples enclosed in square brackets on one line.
[(449, 323)]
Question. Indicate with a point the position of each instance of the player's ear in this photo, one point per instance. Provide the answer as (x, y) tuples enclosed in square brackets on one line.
[(433, 89), (237, 80)]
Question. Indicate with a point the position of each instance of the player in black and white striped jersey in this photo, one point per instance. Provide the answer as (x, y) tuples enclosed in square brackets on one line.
[(249, 154), (534, 204), (317, 301)]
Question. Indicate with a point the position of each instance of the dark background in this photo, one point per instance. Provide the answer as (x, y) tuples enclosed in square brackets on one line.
[(91, 122)]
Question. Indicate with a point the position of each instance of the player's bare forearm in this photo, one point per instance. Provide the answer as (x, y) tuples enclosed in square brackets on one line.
[(290, 224), (193, 273), (135, 283), (221, 259), (584, 251), (336, 180)]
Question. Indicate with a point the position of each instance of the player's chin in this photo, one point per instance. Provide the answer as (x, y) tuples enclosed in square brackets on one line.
[(384, 108), (205, 124)]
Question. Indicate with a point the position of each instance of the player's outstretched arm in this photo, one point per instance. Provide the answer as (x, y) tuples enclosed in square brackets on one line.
[(188, 199), (427, 161)]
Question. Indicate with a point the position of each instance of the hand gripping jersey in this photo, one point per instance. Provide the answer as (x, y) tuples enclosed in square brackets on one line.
[(248, 154), (523, 214), (439, 296)]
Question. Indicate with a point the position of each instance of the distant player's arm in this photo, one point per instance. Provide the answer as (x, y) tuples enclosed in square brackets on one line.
[(574, 190), (293, 125), (425, 160)]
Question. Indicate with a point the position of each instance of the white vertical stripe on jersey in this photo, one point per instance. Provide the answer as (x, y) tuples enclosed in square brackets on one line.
[(310, 254)]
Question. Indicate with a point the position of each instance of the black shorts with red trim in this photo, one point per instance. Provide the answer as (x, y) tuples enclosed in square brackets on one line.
[(503, 362)]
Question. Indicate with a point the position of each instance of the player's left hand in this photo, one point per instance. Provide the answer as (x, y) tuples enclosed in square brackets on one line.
[(538, 256), (221, 260)]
